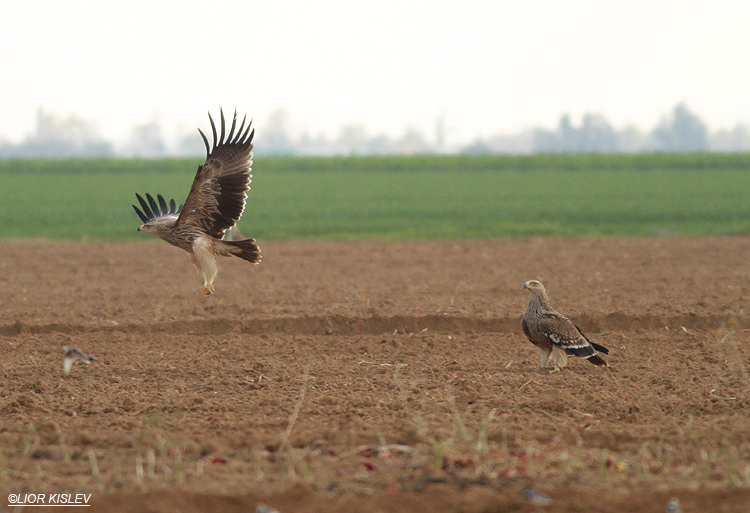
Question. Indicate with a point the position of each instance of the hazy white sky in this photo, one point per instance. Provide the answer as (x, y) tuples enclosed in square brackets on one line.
[(486, 66)]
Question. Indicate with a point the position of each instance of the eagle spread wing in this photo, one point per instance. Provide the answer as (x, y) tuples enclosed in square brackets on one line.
[(217, 198), (549, 331)]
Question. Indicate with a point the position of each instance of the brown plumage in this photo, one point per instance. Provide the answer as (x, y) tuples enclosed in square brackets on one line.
[(553, 333), (215, 203)]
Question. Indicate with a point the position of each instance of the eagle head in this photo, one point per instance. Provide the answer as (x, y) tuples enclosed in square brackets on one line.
[(158, 226), (148, 227), (535, 287)]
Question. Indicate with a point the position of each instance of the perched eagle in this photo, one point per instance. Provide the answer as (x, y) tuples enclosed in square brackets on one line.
[(553, 333), (215, 203)]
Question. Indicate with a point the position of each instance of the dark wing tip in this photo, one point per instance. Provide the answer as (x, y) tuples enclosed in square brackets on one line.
[(213, 128), (152, 204), (223, 125), (152, 210), (144, 206), (162, 205), (234, 125), (242, 135), (140, 214), (242, 127), (205, 141)]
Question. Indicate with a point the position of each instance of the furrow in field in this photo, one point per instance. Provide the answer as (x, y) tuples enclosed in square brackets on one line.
[(375, 325)]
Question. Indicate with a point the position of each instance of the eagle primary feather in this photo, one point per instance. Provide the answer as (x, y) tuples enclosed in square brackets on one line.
[(148, 215), (553, 333), (214, 204)]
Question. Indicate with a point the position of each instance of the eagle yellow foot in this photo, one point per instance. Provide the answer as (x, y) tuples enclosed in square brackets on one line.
[(556, 369), (208, 290)]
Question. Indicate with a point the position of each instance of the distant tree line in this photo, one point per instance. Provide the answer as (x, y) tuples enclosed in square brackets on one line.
[(680, 131), (55, 137)]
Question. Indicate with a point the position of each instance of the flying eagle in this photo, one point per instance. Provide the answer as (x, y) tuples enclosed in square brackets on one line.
[(215, 203), (553, 333)]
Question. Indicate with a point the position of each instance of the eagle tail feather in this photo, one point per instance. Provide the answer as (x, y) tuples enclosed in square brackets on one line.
[(596, 359), (589, 352), (245, 249), (599, 348)]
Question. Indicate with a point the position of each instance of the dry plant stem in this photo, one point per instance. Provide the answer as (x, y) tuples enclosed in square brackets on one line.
[(211, 346), (150, 463), (459, 420), (61, 441), (295, 413), (139, 469), (94, 467)]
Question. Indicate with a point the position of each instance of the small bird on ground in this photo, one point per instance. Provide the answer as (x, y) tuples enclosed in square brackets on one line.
[(214, 205), (553, 333), (673, 506), (536, 497), (71, 353)]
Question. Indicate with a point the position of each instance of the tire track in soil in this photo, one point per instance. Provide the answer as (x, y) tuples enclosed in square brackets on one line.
[(375, 325)]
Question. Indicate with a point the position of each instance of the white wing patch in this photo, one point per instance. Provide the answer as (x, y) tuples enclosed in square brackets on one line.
[(566, 343)]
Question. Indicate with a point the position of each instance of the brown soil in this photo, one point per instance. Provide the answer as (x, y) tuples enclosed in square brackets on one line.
[(372, 376)]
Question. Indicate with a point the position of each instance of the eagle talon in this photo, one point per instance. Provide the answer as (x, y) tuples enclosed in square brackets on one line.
[(208, 290)]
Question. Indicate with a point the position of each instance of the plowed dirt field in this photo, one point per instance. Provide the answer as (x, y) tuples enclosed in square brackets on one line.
[(376, 376)]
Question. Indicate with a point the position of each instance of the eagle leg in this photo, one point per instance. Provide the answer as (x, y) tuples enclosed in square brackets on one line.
[(207, 289), (203, 258), (544, 355), (559, 358)]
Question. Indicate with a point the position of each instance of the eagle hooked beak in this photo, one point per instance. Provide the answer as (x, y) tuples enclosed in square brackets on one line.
[(140, 228), (525, 285)]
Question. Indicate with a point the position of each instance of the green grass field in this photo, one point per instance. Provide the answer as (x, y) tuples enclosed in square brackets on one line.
[(400, 197)]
